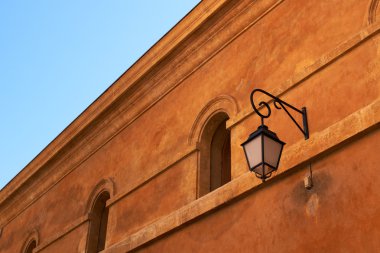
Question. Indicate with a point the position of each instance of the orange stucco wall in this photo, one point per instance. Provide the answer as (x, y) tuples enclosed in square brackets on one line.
[(340, 214), (143, 146)]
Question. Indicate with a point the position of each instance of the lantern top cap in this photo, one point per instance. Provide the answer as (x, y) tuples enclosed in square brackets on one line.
[(263, 129)]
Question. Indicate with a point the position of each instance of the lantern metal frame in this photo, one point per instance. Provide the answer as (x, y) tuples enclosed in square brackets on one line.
[(263, 129)]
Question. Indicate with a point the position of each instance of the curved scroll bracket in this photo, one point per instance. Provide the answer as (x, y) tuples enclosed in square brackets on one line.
[(280, 104)]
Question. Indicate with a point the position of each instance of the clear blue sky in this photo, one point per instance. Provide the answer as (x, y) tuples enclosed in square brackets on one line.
[(57, 57)]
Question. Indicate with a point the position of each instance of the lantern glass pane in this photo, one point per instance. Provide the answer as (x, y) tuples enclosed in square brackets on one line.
[(253, 151), (259, 170), (268, 170), (272, 151)]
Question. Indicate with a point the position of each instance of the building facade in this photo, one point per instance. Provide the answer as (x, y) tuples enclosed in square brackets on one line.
[(155, 163)]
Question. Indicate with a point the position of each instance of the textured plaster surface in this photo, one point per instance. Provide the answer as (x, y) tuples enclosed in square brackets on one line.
[(340, 214), (140, 138)]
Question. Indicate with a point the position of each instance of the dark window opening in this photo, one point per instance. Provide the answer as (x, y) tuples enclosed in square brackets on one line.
[(32, 245), (220, 160), (98, 224), (215, 155)]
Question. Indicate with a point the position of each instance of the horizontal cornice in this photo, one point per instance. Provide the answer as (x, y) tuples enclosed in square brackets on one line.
[(211, 26), (122, 84)]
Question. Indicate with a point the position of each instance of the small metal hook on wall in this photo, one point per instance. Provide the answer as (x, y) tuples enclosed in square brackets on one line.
[(308, 180)]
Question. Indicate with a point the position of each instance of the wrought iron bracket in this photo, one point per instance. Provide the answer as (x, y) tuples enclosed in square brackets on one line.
[(280, 104)]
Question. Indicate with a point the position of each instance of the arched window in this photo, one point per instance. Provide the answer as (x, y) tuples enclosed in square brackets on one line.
[(30, 247), (98, 224), (215, 154)]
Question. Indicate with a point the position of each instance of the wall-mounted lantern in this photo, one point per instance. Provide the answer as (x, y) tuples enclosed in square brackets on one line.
[(263, 148)]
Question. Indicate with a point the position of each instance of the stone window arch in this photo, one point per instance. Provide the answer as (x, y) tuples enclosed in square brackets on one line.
[(212, 138), (31, 243), (30, 247), (373, 13)]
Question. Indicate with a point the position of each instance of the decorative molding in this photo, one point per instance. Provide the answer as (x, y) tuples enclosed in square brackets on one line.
[(162, 48), (319, 143), (298, 78), (107, 119), (120, 86), (76, 129), (99, 124), (222, 103), (105, 185), (372, 13)]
